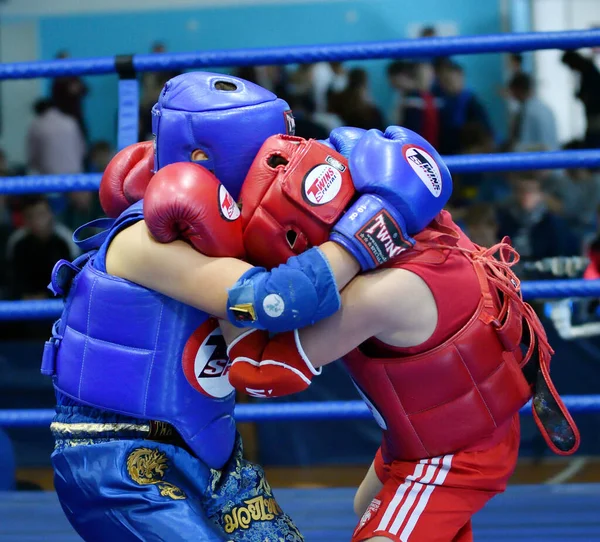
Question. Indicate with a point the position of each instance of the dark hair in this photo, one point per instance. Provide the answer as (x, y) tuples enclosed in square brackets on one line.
[(302, 101), (474, 133), (42, 105), (399, 67), (574, 145), (26, 202), (574, 60), (521, 82), (441, 62), (357, 78), (100, 146), (517, 57), (428, 31), (451, 66)]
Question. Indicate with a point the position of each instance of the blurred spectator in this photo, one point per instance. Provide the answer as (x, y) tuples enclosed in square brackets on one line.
[(580, 196), (428, 32), (484, 187), (588, 93), (515, 67), (438, 65), (55, 144), (6, 229), (415, 106), (515, 64), (482, 225), (318, 81), (533, 123), (68, 93), (83, 207), (536, 232), (33, 249), (101, 153), (151, 86), (354, 105), (460, 106), (273, 78)]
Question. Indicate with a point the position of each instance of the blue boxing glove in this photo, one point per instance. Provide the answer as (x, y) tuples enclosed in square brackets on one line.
[(404, 184), (344, 139)]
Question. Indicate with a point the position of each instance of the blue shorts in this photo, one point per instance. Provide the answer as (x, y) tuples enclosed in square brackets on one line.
[(131, 489)]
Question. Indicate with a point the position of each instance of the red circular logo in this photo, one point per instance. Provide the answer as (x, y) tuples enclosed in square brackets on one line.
[(205, 362)]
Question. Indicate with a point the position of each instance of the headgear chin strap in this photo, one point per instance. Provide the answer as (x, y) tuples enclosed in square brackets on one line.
[(225, 117)]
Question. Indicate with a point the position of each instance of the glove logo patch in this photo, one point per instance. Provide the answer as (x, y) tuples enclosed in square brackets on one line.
[(229, 209), (273, 305), (321, 184), (205, 362), (382, 237), (335, 163), (425, 167)]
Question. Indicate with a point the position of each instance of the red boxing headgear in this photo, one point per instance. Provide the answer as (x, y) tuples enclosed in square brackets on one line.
[(294, 193)]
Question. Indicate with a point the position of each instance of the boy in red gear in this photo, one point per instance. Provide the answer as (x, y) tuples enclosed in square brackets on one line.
[(438, 342)]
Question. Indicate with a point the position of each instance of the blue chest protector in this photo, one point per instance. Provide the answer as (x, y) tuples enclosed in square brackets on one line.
[(120, 347)]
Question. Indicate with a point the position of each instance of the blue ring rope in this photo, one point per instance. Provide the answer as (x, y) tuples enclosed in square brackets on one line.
[(35, 184), (429, 47), (542, 289), (276, 411)]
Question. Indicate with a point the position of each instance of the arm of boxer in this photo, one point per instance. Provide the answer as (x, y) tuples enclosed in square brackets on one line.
[(177, 270), (185, 201), (174, 269), (392, 304)]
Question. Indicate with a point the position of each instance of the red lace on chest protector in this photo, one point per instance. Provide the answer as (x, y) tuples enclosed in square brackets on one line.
[(457, 394)]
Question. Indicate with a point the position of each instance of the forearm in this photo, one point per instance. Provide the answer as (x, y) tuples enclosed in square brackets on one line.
[(343, 265)]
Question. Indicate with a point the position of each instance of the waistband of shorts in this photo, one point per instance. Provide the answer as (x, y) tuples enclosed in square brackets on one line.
[(88, 425)]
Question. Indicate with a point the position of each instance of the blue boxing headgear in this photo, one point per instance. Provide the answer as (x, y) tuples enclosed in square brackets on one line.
[(225, 118)]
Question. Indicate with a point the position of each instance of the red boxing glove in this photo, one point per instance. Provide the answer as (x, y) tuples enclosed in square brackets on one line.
[(269, 368), (186, 201), (126, 177), (294, 193)]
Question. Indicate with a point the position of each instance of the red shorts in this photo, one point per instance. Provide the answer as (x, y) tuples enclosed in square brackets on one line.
[(433, 500)]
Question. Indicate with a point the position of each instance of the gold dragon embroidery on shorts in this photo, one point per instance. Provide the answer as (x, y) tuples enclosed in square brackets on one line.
[(146, 466)]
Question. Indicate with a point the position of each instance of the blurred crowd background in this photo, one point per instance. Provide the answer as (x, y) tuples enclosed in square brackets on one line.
[(547, 214)]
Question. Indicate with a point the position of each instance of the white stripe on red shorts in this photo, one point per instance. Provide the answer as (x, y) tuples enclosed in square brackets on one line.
[(418, 488)]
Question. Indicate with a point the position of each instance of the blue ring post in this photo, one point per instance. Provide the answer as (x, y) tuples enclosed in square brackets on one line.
[(129, 102)]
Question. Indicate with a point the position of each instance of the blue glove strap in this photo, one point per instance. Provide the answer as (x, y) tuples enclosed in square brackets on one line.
[(373, 231), (296, 294)]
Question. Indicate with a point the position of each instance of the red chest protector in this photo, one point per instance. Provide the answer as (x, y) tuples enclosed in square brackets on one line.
[(460, 392)]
